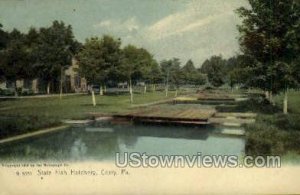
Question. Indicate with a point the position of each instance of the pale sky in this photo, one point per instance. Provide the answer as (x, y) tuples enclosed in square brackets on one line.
[(186, 29)]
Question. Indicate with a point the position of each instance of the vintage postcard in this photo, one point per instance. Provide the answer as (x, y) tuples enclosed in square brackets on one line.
[(149, 96)]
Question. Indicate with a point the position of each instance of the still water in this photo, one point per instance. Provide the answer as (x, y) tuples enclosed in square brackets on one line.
[(101, 142)]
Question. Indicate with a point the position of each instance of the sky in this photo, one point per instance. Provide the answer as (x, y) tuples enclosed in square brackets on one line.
[(185, 29)]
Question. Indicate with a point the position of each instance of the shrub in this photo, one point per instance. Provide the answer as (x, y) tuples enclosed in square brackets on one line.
[(293, 142), (262, 139), (289, 122)]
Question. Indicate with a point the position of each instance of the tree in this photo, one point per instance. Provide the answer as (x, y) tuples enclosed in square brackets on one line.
[(190, 75), (99, 59), (111, 54), (171, 71), (3, 43), (54, 51), (214, 69), (136, 64), (238, 71), (3, 38), (155, 74), (14, 59), (270, 34)]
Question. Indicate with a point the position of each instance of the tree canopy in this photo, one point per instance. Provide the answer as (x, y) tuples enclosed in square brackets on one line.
[(171, 71), (270, 35), (190, 75), (45, 53), (54, 50), (98, 58), (214, 69), (15, 57), (3, 37)]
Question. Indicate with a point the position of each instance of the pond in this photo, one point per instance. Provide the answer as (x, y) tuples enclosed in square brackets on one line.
[(100, 142)]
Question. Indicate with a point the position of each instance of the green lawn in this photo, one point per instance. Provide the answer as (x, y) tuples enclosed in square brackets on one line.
[(20, 116), (293, 101), (74, 107)]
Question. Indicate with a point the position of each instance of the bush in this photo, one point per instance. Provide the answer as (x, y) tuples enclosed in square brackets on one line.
[(27, 91), (273, 135), (293, 142), (262, 139), (289, 122), (7, 92)]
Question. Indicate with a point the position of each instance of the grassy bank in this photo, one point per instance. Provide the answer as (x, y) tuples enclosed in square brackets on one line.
[(16, 125), (25, 115), (273, 133), (293, 101), (276, 134)]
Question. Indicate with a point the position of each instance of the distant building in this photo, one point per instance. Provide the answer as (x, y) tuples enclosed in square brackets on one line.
[(123, 85), (75, 82), (72, 82), (140, 83)]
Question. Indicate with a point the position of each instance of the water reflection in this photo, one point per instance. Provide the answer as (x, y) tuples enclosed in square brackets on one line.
[(78, 150), (128, 141), (101, 141)]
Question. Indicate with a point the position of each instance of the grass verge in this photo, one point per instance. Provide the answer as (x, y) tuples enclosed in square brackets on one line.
[(20, 116), (273, 133)]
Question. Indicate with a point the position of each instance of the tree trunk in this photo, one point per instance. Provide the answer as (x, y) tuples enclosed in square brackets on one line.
[(101, 90), (267, 95), (61, 91), (154, 87), (145, 89), (48, 87), (61, 82), (104, 89), (271, 98), (167, 83), (285, 103), (130, 91), (167, 90), (176, 92), (93, 98), (16, 90)]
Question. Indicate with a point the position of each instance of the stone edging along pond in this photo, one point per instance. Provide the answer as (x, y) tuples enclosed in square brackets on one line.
[(35, 133)]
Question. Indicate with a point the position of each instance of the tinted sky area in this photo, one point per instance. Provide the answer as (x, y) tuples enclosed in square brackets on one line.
[(187, 29)]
